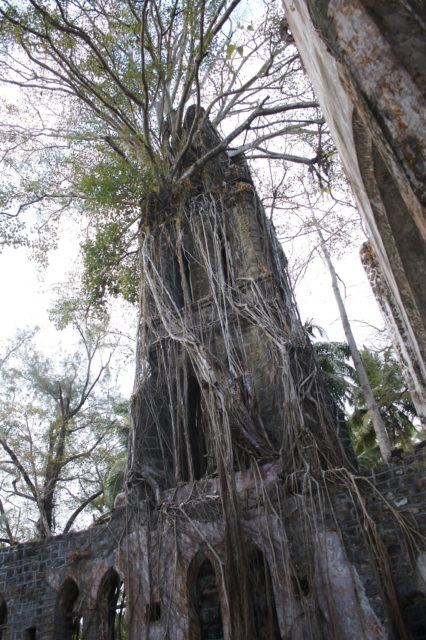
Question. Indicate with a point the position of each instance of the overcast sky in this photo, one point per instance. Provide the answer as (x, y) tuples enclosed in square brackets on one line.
[(26, 294)]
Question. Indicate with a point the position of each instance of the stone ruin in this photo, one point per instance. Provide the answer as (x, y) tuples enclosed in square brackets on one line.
[(244, 515), (72, 585)]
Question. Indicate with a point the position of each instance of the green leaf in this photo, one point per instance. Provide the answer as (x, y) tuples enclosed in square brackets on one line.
[(230, 50)]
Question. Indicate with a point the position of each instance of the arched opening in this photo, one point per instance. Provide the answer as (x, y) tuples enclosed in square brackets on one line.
[(68, 619), (186, 277), (193, 446), (153, 612), (224, 258), (3, 616), (112, 607), (415, 616), (262, 597), (205, 614)]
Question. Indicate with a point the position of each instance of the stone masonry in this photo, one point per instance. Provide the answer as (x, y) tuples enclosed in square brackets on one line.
[(314, 551), (34, 575), (243, 516)]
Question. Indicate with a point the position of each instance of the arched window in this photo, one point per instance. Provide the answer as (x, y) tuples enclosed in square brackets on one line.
[(3, 616), (68, 620), (415, 616), (193, 457), (112, 607), (204, 602), (262, 597)]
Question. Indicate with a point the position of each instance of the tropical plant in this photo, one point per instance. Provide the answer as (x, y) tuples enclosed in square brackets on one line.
[(115, 478), (339, 374), (334, 360), (388, 386), (394, 402)]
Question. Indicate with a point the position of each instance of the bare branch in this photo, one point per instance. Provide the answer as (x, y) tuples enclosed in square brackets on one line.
[(83, 505)]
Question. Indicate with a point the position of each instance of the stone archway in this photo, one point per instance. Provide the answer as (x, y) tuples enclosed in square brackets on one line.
[(205, 613), (68, 619), (414, 610), (3, 616), (262, 597), (111, 606)]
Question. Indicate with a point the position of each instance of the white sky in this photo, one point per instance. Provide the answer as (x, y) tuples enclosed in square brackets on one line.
[(316, 300), (26, 294)]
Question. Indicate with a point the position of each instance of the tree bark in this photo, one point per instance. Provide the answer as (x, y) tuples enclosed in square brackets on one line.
[(378, 424)]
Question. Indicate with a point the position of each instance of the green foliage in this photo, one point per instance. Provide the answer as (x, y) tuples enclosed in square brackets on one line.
[(232, 48), (114, 480), (73, 309), (62, 428), (389, 388), (112, 183), (394, 402), (111, 191), (110, 268), (334, 360), (339, 375), (105, 87)]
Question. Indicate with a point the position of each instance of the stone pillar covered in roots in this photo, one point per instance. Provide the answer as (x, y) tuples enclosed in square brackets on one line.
[(226, 374), (367, 62), (226, 381)]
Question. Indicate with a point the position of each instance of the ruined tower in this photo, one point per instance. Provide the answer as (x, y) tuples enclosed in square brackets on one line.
[(228, 385), (227, 373)]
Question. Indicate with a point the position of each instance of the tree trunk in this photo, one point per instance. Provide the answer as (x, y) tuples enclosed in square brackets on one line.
[(376, 418)]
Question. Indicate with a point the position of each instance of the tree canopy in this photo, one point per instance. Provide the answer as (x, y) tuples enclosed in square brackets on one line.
[(108, 88), (62, 430)]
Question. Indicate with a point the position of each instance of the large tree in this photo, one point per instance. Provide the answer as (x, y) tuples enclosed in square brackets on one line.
[(61, 427), (107, 87)]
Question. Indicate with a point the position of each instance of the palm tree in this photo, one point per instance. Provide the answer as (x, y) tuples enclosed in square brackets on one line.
[(394, 402), (334, 361), (388, 385)]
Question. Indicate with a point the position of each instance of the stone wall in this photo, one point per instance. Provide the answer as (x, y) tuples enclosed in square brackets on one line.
[(170, 558), (32, 575)]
